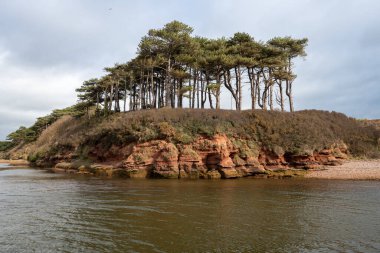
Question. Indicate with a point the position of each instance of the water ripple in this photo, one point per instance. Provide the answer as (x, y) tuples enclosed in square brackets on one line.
[(42, 212)]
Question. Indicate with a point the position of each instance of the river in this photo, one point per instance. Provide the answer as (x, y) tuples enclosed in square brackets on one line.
[(44, 212)]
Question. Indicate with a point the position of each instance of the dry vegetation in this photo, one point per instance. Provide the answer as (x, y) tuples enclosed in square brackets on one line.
[(296, 133), (374, 122)]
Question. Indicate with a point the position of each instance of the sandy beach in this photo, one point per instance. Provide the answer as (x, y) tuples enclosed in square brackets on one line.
[(350, 170), (14, 162)]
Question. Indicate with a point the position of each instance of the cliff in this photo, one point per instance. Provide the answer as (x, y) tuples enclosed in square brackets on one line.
[(183, 143)]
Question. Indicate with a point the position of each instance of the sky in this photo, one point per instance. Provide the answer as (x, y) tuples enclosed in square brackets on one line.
[(49, 47)]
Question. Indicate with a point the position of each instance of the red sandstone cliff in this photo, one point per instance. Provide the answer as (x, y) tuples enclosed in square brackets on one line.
[(209, 158)]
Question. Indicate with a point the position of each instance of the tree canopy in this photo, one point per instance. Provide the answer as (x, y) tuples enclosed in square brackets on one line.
[(175, 69)]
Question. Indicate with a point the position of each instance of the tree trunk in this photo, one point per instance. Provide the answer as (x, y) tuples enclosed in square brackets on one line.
[(257, 94), (125, 95), (271, 97), (290, 95), (209, 93), (149, 91), (180, 96), (238, 88), (289, 84), (111, 98), (281, 96), (162, 94), (194, 90), (217, 91), (168, 85), (252, 82), (173, 92), (105, 109), (190, 92), (260, 97), (131, 98), (97, 101), (265, 96), (197, 79), (154, 89), (240, 91), (117, 100), (203, 93), (159, 88), (228, 85)]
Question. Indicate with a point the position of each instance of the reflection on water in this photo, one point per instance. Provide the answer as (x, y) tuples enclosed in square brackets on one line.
[(42, 212), (4, 166)]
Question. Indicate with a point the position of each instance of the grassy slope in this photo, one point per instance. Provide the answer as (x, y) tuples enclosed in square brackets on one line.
[(110, 138), (374, 122)]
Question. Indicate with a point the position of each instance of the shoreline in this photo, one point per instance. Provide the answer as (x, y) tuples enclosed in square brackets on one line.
[(368, 169), (15, 163)]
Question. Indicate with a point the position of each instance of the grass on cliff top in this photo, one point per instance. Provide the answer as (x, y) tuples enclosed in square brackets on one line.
[(298, 133), (370, 122)]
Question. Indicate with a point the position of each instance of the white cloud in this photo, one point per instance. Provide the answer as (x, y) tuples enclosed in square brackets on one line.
[(48, 47), (27, 94)]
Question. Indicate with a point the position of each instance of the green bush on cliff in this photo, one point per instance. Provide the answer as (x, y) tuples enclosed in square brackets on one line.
[(5, 145), (33, 157), (166, 130), (183, 138)]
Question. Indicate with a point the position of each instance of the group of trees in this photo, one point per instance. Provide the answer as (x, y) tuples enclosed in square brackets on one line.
[(174, 69)]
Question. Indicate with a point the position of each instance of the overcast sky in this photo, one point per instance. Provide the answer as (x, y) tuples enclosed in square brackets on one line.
[(48, 47)]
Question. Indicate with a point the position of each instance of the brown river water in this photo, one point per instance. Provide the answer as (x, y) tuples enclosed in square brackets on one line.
[(43, 212)]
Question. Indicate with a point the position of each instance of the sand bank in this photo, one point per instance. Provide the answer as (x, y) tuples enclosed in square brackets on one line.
[(351, 169), (15, 162)]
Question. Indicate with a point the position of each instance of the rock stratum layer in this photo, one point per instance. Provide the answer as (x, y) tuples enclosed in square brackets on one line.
[(207, 158)]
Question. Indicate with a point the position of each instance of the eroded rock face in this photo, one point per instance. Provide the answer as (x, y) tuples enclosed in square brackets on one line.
[(218, 157), (153, 159), (209, 158), (332, 156)]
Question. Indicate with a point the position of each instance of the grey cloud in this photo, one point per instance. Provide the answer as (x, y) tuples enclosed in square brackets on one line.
[(13, 119), (61, 43)]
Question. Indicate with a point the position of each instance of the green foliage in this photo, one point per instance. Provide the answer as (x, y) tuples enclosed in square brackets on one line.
[(89, 92), (170, 61), (184, 138), (22, 134), (166, 130), (5, 145), (291, 47), (147, 134), (33, 157), (214, 86)]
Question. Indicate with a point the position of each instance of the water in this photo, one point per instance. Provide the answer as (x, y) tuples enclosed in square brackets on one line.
[(42, 212)]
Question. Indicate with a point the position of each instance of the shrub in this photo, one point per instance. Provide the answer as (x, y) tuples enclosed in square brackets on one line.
[(165, 130), (5, 145)]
